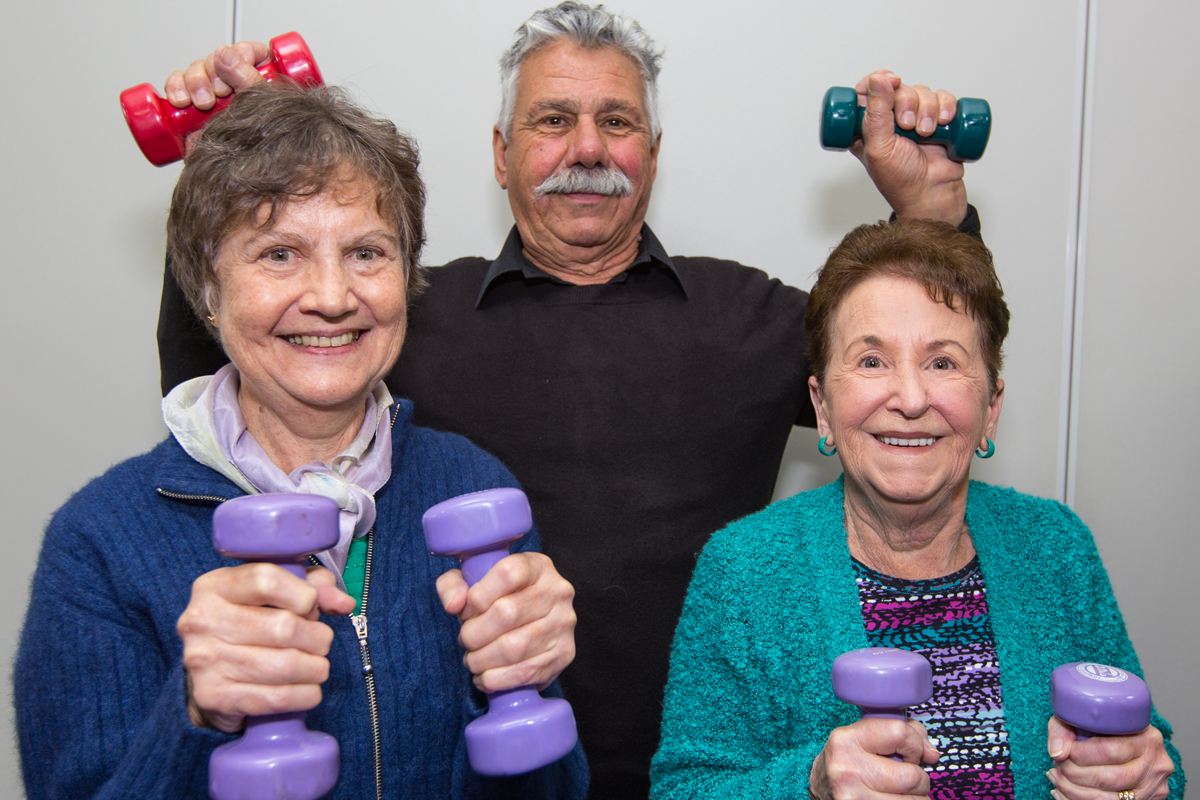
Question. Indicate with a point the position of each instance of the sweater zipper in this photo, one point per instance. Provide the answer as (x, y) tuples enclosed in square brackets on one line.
[(360, 629), (359, 621), (190, 497)]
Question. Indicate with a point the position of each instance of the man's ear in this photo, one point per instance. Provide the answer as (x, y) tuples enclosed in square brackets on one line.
[(500, 153)]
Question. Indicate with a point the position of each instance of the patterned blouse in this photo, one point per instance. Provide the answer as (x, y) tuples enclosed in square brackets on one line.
[(946, 620)]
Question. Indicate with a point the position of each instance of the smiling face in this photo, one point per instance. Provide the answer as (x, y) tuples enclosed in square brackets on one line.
[(905, 397), (312, 309), (577, 107)]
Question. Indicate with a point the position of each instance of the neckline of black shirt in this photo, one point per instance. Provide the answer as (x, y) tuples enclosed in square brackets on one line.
[(512, 265)]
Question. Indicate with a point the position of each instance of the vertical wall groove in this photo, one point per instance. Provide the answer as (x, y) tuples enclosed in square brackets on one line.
[(1076, 255), (233, 20)]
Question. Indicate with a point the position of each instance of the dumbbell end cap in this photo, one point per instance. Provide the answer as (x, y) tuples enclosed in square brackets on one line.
[(839, 109), (144, 115), (882, 677), (477, 521), (521, 737), (1099, 698), (295, 59), (297, 765), (973, 126), (275, 527)]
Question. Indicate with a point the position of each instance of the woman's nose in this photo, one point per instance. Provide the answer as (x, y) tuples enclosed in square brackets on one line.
[(910, 395), (329, 291)]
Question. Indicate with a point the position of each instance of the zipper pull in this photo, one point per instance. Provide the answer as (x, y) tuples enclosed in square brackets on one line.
[(360, 629)]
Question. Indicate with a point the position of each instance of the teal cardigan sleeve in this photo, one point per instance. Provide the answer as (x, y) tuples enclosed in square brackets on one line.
[(749, 702), (1050, 603)]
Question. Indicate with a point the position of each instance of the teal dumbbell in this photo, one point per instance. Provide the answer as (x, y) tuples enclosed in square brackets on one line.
[(965, 138)]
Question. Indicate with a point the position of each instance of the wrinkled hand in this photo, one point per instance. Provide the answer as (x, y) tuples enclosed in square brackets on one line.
[(1105, 765), (918, 181), (252, 642), (225, 70), (518, 624), (855, 761)]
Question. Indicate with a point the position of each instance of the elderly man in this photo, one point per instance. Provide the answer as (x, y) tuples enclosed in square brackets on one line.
[(643, 400)]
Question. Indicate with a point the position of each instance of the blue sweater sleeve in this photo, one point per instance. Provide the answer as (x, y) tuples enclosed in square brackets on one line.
[(100, 709)]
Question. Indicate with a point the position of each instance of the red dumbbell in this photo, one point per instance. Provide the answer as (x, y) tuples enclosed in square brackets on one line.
[(159, 128)]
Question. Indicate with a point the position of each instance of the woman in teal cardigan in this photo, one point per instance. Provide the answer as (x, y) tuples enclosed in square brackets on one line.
[(995, 588)]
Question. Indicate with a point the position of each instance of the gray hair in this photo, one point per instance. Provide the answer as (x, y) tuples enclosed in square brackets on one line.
[(592, 27)]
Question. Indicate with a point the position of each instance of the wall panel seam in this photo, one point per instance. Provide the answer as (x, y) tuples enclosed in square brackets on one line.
[(1076, 255)]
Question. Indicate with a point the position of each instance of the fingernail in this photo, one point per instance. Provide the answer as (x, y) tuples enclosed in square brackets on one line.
[(1056, 748), (202, 96), (179, 96), (908, 119), (228, 57), (926, 127), (931, 743), (1052, 776)]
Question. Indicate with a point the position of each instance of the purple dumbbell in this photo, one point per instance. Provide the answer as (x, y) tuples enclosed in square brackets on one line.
[(1098, 700), (277, 756), (882, 681), (521, 730)]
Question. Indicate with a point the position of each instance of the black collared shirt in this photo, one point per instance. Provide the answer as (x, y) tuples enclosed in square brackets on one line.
[(640, 415), (512, 264)]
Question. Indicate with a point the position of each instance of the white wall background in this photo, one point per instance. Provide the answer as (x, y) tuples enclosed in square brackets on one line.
[(1084, 158)]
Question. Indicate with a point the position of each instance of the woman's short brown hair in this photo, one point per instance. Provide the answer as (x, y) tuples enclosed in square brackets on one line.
[(276, 142), (952, 266)]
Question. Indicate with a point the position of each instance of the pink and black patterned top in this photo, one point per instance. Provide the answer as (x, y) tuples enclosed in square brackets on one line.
[(946, 620)]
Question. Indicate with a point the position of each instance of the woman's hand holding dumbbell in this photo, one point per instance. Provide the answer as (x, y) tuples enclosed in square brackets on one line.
[(1101, 737), (882, 752)]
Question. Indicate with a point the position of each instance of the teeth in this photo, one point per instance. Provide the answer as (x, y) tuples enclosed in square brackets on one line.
[(325, 341), (892, 440)]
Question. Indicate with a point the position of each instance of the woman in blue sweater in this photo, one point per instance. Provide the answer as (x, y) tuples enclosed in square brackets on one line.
[(296, 229), (905, 327)]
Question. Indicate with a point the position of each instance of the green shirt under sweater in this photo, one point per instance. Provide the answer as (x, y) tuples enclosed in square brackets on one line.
[(355, 573)]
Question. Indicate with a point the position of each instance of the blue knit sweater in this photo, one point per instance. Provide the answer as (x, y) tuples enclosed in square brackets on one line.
[(99, 686), (773, 601)]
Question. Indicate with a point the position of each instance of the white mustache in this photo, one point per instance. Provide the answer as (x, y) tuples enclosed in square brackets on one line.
[(578, 179)]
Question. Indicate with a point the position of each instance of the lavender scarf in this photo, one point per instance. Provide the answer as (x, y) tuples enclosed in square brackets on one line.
[(204, 416)]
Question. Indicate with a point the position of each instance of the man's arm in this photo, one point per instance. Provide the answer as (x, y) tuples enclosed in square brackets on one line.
[(185, 348)]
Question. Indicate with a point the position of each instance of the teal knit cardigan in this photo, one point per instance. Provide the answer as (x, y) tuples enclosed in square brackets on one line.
[(773, 601)]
